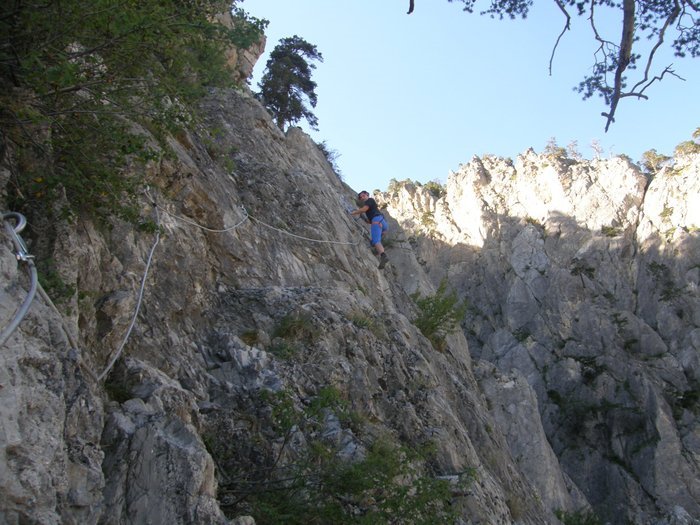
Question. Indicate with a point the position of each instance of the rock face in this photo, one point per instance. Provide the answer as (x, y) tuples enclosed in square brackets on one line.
[(573, 386), (241, 61), (582, 280)]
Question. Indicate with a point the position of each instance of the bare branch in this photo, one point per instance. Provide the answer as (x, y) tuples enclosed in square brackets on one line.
[(595, 29), (567, 27), (670, 20), (640, 93), (693, 5)]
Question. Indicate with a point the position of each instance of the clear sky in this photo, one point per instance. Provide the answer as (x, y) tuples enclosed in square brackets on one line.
[(414, 96)]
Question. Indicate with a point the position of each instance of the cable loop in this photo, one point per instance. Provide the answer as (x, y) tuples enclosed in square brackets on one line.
[(22, 255)]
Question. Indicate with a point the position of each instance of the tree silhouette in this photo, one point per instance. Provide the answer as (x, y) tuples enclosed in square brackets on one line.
[(286, 83), (642, 20)]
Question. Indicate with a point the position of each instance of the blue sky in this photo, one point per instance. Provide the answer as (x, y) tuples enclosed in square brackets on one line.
[(414, 96)]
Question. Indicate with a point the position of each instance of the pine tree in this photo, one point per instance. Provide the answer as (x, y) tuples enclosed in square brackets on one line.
[(286, 83)]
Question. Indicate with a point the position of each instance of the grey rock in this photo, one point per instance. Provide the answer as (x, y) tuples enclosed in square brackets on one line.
[(573, 386)]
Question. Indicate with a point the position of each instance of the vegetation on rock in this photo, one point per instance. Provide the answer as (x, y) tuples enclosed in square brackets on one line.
[(439, 314), (385, 483), (81, 84)]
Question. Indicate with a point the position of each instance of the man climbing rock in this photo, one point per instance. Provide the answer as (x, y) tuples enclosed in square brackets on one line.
[(377, 222)]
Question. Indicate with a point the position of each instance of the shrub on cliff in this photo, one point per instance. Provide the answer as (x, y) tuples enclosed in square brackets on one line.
[(316, 482), (439, 314), (81, 81)]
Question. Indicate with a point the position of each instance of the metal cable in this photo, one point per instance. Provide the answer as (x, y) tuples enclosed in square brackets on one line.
[(138, 302), (193, 223), (323, 241), (245, 218), (22, 256)]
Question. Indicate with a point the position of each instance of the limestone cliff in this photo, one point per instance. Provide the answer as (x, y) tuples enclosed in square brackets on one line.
[(582, 279), (573, 385)]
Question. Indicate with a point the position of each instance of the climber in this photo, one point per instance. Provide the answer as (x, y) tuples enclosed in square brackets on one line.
[(378, 224)]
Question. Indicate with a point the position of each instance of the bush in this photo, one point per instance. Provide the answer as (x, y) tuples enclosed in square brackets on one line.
[(610, 231), (652, 162), (553, 150), (296, 327), (361, 320), (687, 148), (428, 220), (316, 485), (396, 185), (579, 517), (439, 315), (383, 488), (436, 189)]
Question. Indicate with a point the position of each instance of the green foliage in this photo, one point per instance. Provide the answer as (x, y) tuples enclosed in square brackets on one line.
[(383, 488), (363, 321), (427, 219), (250, 337), (516, 506), (555, 397), (658, 270), (77, 95), (622, 67), (439, 315), (396, 185), (536, 223), (284, 349), (294, 329), (286, 82), (436, 189), (662, 275), (610, 231), (116, 391), (619, 320), (652, 162), (317, 486), (297, 326), (671, 291), (580, 517), (685, 400), (689, 147), (521, 334), (666, 213), (553, 150), (52, 282)]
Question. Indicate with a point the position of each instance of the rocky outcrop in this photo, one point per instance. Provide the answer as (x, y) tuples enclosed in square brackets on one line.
[(159, 436), (241, 61), (154, 388), (582, 278)]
